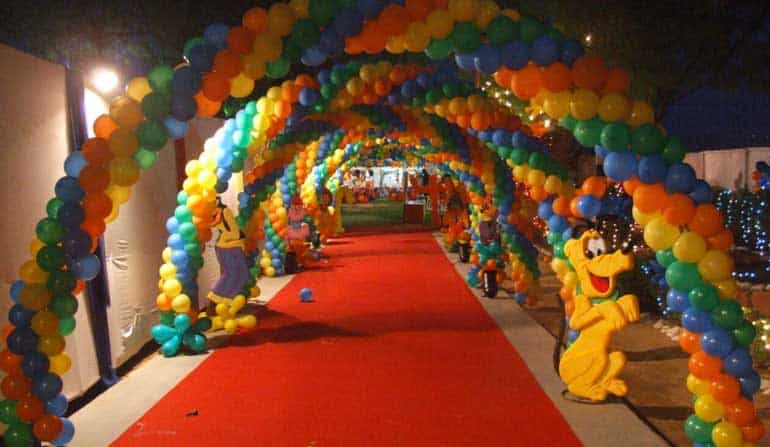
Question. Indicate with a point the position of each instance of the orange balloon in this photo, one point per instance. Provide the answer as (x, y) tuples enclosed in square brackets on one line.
[(688, 341), (707, 220), (419, 9), (126, 112), (397, 75), (722, 240), (724, 387), (618, 81), (47, 427), (479, 120), (705, 366), (94, 227), (240, 40), (538, 193), (96, 150), (595, 185), (104, 126), (394, 20), (741, 412), (503, 77), (560, 206), (573, 206), (753, 432), (557, 77), (589, 72), (650, 198), (80, 285), (206, 107), (29, 408), (97, 205), (94, 179), (630, 185), (255, 20), (569, 307), (354, 45), (527, 82), (10, 362), (216, 86), (679, 210), (15, 386)]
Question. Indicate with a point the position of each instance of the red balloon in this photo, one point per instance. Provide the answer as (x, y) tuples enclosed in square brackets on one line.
[(16, 386), (704, 366), (47, 428), (725, 389), (753, 432), (741, 412), (10, 362), (29, 409)]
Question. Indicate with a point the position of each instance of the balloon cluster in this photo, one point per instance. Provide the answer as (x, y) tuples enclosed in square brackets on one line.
[(761, 176)]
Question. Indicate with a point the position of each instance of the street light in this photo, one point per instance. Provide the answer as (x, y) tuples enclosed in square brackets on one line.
[(104, 80), (588, 38)]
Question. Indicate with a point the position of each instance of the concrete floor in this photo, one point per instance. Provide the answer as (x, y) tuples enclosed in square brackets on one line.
[(104, 419)]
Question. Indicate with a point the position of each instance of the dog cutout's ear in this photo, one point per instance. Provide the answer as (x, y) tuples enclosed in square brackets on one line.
[(571, 246)]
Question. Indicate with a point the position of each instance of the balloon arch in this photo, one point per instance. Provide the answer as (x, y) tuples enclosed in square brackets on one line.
[(303, 133)]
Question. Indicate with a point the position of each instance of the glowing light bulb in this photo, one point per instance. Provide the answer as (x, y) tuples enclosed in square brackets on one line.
[(104, 80)]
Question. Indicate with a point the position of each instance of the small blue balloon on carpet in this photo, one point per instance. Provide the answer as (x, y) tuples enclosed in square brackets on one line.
[(306, 295)]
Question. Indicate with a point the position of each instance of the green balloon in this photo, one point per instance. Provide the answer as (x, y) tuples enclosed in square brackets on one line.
[(647, 140), (66, 326), (553, 237), (167, 318), (181, 198), (704, 297), (673, 150), (52, 207), (305, 32), (8, 412), (277, 69), (558, 250), (152, 135), (451, 89), (337, 76), (237, 165), (744, 334), (697, 429), (616, 136), (192, 249), (328, 91), (665, 257), (50, 258), (144, 158), (292, 51), (502, 29), (160, 78), (322, 11), (530, 29), (568, 122), (61, 282), (156, 106), (465, 37), (504, 152), (536, 160), (439, 49), (519, 156), (682, 275), (50, 231), (19, 434), (63, 305), (727, 314), (183, 214), (588, 133)]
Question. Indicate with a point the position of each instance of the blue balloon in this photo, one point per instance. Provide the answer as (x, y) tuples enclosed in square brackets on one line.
[(348, 22), (520, 297), (677, 300), (68, 189), (216, 34), (20, 316), (183, 107), (717, 342), (74, 163), (701, 193), (35, 364), (695, 320), (572, 335), (16, 287), (313, 56), (557, 223), (620, 166), (487, 59), (545, 209), (465, 61), (567, 234), (176, 128), (652, 169), (545, 50), (370, 8), (201, 56), (77, 243), (331, 42), (588, 205), (680, 178), (85, 267), (600, 151), (738, 363), (57, 406), (172, 225), (66, 434), (306, 294), (175, 241), (515, 55), (186, 82), (22, 340), (750, 384), (570, 51), (519, 139), (71, 215)]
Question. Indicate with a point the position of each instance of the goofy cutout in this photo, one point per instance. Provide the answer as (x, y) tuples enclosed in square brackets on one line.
[(586, 367)]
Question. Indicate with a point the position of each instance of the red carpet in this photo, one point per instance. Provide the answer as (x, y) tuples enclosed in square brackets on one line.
[(395, 351)]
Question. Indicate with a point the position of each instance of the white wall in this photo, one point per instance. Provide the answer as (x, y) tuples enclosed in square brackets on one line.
[(729, 168)]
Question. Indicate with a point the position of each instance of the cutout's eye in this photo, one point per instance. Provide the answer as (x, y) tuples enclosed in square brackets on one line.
[(595, 247)]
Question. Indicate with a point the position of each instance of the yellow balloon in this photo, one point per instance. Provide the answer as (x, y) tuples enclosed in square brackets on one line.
[(457, 106), (463, 10), (395, 45), (51, 345), (138, 88), (59, 364), (166, 255), (355, 86), (715, 265), (299, 8), (583, 104), (167, 271), (559, 266), (35, 246), (570, 280), (274, 93), (557, 105), (368, 73), (113, 213), (536, 177), (440, 23), (726, 289), (280, 19), (520, 172), (181, 303), (697, 386), (690, 247), (642, 218), (241, 86), (119, 194), (247, 321), (727, 434), (270, 271), (659, 234), (488, 10), (552, 184), (172, 287), (708, 408), (45, 323), (267, 46), (34, 296), (253, 66), (417, 37), (641, 113), (614, 107)]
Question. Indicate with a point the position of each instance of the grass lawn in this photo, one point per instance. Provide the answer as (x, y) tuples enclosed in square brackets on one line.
[(378, 213)]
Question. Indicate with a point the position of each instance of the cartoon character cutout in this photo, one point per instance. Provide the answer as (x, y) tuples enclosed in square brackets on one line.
[(298, 230), (229, 248), (586, 367)]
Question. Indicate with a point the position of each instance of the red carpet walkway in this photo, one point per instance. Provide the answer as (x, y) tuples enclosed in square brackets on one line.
[(395, 351)]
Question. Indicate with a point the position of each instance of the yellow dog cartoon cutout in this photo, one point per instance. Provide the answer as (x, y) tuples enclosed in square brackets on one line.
[(586, 367)]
